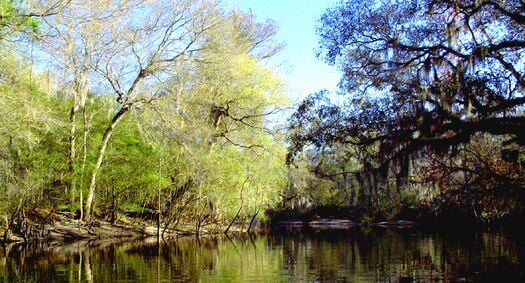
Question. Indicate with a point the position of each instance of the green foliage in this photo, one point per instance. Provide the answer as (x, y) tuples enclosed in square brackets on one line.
[(31, 141), (202, 151), (12, 19)]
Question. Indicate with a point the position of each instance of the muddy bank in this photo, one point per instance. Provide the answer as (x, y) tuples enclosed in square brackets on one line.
[(62, 227), (68, 230)]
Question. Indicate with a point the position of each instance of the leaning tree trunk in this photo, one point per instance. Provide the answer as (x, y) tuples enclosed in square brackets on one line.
[(253, 219), (101, 153), (233, 220)]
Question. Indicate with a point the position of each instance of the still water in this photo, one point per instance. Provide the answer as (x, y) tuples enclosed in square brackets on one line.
[(357, 255)]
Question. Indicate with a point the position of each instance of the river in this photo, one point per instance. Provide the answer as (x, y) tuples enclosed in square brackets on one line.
[(355, 255)]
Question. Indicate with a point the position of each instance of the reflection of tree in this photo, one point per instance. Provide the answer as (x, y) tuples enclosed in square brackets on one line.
[(350, 256), (389, 255), (87, 266)]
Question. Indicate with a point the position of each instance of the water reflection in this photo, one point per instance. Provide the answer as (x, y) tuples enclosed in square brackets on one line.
[(374, 255)]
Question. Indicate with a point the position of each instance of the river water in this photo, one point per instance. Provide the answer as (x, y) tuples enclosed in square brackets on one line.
[(356, 255)]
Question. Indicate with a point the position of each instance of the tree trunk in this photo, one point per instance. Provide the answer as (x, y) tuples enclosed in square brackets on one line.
[(84, 158), (79, 103), (158, 200), (233, 220), (253, 220), (101, 153), (72, 147)]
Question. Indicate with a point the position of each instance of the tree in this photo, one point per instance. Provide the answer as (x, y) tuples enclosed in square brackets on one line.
[(213, 124), (133, 53), (65, 38), (30, 147), (156, 107), (447, 69), (420, 75)]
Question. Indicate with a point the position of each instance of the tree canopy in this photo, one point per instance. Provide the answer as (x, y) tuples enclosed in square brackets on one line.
[(420, 78), (428, 73)]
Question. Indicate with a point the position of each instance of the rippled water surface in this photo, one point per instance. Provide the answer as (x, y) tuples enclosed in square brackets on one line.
[(375, 255)]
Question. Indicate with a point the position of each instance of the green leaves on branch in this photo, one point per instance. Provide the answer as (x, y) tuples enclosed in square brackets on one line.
[(14, 19)]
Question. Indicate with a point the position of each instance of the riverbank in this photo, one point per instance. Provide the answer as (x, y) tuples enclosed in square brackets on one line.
[(60, 227), (63, 227), (423, 218)]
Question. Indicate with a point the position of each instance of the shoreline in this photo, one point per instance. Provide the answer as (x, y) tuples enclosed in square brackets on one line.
[(60, 227)]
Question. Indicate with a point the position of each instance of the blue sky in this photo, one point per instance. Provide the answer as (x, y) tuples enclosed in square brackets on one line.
[(297, 63)]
